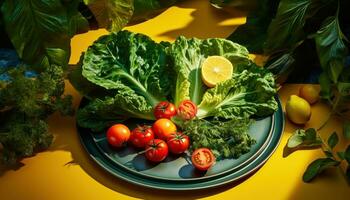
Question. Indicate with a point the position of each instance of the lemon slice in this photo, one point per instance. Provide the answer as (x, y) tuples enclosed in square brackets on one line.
[(216, 69)]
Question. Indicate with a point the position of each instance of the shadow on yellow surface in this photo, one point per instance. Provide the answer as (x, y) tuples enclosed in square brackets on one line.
[(204, 15)]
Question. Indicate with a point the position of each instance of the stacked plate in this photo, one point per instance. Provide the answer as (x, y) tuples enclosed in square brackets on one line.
[(177, 173)]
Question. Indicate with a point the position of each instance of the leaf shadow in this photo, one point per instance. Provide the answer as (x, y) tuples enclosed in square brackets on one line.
[(203, 15), (287, 151), (13, 167)]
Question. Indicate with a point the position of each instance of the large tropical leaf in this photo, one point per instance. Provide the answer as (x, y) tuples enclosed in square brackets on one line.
[(253, 33), (40, 30), (286, 29), (145, 10), (331, 48), (111, 14)]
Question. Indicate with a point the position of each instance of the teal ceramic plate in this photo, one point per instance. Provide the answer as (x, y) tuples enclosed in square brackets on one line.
[(176, 173)]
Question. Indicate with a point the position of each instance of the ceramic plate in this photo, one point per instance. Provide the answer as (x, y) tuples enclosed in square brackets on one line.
[(176, 172)]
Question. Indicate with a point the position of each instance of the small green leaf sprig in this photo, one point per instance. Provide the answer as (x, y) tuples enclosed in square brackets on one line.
[(310, 139)]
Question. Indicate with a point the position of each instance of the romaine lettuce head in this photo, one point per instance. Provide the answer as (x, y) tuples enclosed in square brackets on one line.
[(249, 93), (188, 56)]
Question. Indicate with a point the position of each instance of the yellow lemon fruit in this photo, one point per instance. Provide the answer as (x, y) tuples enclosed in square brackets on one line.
[(298, 110), (216, 69), (310, 93)]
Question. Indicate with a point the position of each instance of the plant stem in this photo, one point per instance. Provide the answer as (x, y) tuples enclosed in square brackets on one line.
[(325, 122), (333, 111)]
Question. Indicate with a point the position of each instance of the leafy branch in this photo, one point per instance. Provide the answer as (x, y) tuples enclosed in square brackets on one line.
[(310, 138)]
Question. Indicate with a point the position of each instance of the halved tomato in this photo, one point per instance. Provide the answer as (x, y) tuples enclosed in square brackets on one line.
[(202, 159)]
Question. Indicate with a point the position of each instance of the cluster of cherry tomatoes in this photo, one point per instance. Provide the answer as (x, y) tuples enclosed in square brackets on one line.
[(160, 138)]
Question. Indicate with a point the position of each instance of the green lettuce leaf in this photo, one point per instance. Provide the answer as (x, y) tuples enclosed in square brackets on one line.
[(99, 114), (133, 67), (248, 93), (188, 56)]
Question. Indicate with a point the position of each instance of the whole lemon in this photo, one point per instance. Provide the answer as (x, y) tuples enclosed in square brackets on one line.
[(298, 110), (310, 93)]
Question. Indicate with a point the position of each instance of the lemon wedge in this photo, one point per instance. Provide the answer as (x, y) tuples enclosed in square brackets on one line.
[(216, 69)]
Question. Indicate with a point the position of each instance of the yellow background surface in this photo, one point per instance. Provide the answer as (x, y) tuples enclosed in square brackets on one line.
[(66, 172)]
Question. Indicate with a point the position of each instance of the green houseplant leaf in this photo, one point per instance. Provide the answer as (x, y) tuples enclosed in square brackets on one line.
[(286, 29), (41, 35), (144, 10), (253, 33), (318, 166), (346, 129), (333, 140), (331, 48), (304, 138), (111, 14)]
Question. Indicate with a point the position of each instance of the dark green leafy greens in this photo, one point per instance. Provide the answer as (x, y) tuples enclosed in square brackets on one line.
[(254, 31), (124, 75), (40, 32), (111, 14), (25, 104), (99, 114), (317, 167), (144, 10), (225, 138), (310, 139), (286, 29), (304, 138), (332, 52)]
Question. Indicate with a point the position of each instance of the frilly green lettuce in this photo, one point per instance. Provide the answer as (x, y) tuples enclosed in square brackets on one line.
[(188, 56)]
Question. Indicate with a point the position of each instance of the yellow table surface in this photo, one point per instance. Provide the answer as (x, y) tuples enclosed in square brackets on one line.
[(66, 172)]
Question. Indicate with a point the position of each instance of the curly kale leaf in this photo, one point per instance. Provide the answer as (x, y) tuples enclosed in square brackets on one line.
[(225, 138), (25, 104)]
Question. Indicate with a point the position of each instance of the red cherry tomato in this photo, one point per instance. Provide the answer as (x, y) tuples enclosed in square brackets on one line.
[(164, 109), (141, 135), (187, 110), (156, 150), (117, 135), (163, 128), (202, 159), (178, 143)]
